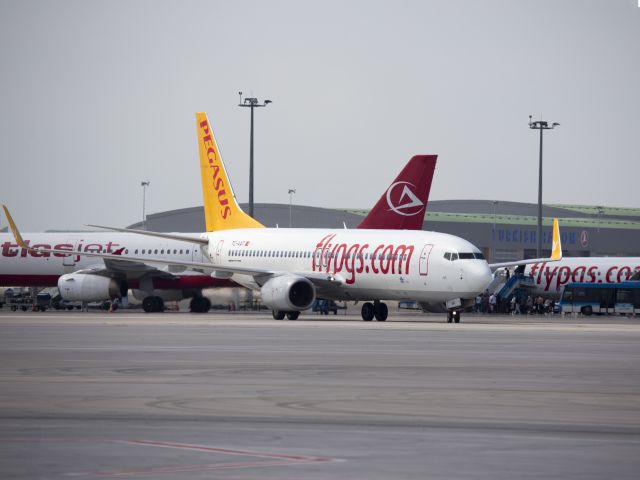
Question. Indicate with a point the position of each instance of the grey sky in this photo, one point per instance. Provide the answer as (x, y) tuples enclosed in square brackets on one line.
[(96, 96)]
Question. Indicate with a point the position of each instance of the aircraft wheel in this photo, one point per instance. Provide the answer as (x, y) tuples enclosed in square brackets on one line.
[(159, 305), (148, 304), (200, 305), (588, 310), (381, 311), (367, 311), (153, 304), (456, 316), (293, 315), (449, 317), (278, 314)]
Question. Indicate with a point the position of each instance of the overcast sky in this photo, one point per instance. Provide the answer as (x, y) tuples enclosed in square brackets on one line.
[(98, 95)]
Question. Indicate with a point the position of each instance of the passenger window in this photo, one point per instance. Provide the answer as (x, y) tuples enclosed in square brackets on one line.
[(155, 251), (180, 252)]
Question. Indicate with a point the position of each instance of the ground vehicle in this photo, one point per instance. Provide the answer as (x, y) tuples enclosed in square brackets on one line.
[(601, 298), (325, 306), (19, 299)]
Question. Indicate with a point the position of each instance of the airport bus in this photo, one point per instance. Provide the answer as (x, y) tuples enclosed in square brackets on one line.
[(601, 298)]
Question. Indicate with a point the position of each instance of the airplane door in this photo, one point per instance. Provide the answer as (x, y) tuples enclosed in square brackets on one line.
[(69, 260), (219, 250), (197, 253), (423, 267)]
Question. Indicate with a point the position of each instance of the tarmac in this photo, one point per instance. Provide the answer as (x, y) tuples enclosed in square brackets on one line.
[(242, 396)]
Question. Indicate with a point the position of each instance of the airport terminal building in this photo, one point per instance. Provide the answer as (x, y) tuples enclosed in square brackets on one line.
[(504, 231)]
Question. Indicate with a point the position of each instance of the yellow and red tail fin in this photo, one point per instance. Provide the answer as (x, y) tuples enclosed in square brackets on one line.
[(221, 210)]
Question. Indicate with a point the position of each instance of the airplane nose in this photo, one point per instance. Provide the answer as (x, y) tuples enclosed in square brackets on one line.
[(478, 276)]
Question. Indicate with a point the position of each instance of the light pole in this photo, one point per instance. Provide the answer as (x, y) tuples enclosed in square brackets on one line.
[(144, 185), (291, 192), (493, 237), (251, 103), (542, 126)]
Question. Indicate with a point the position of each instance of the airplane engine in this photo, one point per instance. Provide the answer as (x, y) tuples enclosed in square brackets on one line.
[(87, 288), (288, 293)]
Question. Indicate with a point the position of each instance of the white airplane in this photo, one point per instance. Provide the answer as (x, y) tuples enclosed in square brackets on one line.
[(548, 279), (292, 266), (80, 278)]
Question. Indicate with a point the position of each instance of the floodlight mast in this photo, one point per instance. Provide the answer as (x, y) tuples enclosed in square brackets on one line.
[(251, 103), (542, 126)]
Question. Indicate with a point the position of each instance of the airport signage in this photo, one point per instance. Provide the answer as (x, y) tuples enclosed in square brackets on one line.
[(515, 235)]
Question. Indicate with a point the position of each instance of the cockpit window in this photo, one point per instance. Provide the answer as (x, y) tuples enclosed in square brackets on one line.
[(470, 256), (454, 256), (447, 255)]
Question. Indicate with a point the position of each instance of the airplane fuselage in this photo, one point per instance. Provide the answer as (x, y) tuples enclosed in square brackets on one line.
[(21, 267), (549, 278), (369, 264)]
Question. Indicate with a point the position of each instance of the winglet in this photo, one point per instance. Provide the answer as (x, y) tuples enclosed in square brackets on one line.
[(556, 252), (14, 229), (556, 244), (221, 211)]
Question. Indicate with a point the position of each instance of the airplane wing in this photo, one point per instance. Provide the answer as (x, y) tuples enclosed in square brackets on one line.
[(124, 263), (129, 270), (556, 252), (169, 236)]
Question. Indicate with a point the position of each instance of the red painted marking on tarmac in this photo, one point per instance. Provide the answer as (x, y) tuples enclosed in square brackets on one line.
[(190, 468), (273, 459), (227, 451)]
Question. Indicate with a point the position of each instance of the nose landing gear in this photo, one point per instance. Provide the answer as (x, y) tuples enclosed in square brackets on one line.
[(453, 316)]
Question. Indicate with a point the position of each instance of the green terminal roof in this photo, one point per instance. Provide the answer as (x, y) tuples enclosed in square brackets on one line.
[(532, 220)]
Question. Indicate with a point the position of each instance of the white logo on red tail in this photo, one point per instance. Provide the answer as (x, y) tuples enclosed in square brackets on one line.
[(408, 203)]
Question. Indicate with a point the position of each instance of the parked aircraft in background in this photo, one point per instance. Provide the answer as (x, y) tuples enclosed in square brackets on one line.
[(290, 267), (548, 279), (82, 278)]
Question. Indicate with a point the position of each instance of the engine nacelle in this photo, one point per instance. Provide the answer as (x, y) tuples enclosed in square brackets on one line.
[(288, 293), (87, 288)]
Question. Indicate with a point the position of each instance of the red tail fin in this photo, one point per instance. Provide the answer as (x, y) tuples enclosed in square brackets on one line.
[(403, 204)]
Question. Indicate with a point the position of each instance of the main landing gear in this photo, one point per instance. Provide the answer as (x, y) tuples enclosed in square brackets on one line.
[(200, 305), (153, 304), (280, 314), (376, 309)]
